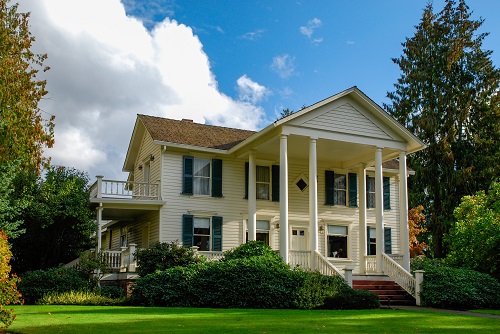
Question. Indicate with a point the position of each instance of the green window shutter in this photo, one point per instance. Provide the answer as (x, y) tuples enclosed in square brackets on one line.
[(187, 179), (387, 193), (217, 233), (187, 230), (353, 190), (216, 178), (329, 187), (247, 168), (368, 241), (387, 240), (275, 188)]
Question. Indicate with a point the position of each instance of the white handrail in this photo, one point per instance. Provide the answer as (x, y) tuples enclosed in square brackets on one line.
[(405, 279), (324, 266), (299, 258), (125, 189), (212, 255)]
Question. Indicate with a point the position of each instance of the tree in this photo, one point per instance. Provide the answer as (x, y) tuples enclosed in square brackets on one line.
[(10, 208), (416, 220), (59, 223), (475, 237), (8, 284), (286, 112), (448, 96), (23, 129)]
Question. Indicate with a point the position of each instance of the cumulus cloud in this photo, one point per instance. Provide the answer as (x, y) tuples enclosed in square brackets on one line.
[(251, 91), (106, 67), (284, 65), (308, 30)]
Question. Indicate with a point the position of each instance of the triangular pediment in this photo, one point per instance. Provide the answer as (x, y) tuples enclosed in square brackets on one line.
[(346, 118)]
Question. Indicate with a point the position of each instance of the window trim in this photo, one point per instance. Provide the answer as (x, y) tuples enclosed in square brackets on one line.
[(215, 239), (347, 236), (215, 177)]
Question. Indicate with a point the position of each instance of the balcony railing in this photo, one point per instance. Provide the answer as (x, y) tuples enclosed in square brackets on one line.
[(125, 189)]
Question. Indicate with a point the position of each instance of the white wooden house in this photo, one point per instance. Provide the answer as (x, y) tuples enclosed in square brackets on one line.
[(326, 187)]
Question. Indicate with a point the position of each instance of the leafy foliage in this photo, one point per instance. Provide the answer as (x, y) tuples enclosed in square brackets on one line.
[(350, 299), (447, 287), (58, 221), (10, 207), (8, 284), (475, 238), (23, 129), (416, 221), (36, 284), (84, 297), (249, 249), (315, 289), (163, 255), (448, 96)]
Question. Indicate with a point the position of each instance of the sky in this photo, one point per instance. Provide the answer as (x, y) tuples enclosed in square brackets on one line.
[(228, 63)]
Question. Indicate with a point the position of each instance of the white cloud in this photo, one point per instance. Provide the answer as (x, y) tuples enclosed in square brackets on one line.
[(250, 91), (253, 35), (106, 67), (309, 29), (284, 65)]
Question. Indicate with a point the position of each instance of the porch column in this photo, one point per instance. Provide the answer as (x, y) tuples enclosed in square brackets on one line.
[(99, 233), (403, 210), (313, 195), (379, 207), (284, 198), (362, 219), (252, 195)]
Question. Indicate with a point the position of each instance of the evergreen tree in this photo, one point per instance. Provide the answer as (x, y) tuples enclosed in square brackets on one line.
[(448, 96)]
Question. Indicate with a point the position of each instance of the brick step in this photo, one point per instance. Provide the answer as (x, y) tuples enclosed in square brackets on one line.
[(389, 292)]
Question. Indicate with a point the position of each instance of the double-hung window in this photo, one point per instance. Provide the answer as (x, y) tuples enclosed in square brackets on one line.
[(341, 189), (202, 176), (262, 233), (267, 182), (263, 182), (204, 232), (370, 192), (371, 233), (337, 241)]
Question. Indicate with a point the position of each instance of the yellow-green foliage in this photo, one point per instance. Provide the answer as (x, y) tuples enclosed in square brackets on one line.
[(8, 284), (78, 298)]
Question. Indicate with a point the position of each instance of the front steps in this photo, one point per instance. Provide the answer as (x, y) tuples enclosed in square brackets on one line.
[(390, 293)]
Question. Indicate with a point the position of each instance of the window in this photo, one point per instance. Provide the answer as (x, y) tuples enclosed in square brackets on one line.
[(204, 232), (337, 241), (262, 231), (341, 189), (123, 237), (372, 240), (110, 241), (267, 182), (370, 192), (202, 177)]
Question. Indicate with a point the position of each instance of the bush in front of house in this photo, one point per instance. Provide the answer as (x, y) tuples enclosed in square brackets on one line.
[(162, 256), (82, 297), (250, 249), (351, 299), (35, 284), (457, 288), (314, 288)]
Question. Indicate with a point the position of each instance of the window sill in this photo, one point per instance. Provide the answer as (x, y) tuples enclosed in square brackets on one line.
[(201, 196)]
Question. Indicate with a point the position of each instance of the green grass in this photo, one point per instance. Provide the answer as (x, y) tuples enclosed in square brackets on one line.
[(42, 319), (495, 312)]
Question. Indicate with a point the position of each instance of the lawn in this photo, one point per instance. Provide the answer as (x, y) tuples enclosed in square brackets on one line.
[(102, 319)]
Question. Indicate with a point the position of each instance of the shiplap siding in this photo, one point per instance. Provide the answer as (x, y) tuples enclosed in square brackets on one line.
[(346, 119)]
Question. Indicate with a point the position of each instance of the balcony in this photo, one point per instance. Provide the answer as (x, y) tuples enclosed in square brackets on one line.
[(126, 190)]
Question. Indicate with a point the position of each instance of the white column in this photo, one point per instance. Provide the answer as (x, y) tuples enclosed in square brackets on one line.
[(379, 207), (362, 218), (99, 233), (403, 211), (252, 195), (313, 195), (284, 198)]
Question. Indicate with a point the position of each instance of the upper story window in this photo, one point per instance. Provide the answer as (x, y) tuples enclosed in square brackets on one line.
[(202, 176), (370, 192), (341, 189), (267, 182)]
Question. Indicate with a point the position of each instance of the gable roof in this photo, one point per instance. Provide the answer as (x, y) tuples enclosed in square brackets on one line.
[(187, 132)]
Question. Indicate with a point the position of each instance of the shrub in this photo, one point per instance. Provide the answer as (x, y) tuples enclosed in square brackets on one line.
[(350, 299), (8, 288), (111, 291), (249, 249), (78, 298), (314, 288), (163, 255), (35, 284)]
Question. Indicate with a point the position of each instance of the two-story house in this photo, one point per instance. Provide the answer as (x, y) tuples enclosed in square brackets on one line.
[(325, 186)]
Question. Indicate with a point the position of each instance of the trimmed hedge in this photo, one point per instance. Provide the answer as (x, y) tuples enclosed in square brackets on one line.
[(35, 284), (456, 288), (350, 299)]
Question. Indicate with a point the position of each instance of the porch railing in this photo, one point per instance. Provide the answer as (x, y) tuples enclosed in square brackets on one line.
[(299, 258), (324, 266), (371, 262), (313, 260), (213, 255), (125, 189), (112, 259), (395, 271)]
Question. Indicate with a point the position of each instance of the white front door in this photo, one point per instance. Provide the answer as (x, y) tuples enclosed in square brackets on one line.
[(299, 238)]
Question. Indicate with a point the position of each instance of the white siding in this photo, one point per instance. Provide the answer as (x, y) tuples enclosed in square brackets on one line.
[(346, 119)]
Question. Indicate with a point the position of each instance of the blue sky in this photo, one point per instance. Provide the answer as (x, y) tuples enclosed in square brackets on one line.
[(228, 63)]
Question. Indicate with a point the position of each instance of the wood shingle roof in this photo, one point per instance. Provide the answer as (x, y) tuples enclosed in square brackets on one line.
[(187, 132)]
